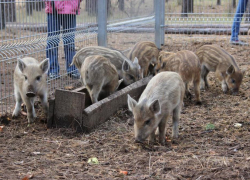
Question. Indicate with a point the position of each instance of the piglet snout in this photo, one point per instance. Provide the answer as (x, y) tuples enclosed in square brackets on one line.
[(30, 94)]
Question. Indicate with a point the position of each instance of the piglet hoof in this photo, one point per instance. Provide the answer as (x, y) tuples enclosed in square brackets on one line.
[(30, 120), (189, 95), (14, 116), (23, 106), (151, 142), (175, 141), (138, 141), (163, 143), (234, 93), (198, 103)]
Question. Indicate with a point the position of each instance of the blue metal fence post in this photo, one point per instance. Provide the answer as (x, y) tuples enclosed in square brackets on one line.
[(162, 22), (159, 22), (102, 22), (157, 6)]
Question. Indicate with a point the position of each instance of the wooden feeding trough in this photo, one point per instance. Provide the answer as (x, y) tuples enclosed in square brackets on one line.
[(73, 108)]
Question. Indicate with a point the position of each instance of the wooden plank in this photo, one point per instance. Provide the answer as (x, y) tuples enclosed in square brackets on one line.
[(50, 118), (99, 112), (68, 109), (87, 96)]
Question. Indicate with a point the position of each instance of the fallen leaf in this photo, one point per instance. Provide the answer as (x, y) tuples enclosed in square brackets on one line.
[(93, 160), (36, 153), (18, 162), (23, 113), (209, 126), (28, 176), (168, 140), (212, 152), (25, 178), (124, 172), (1, 128), (237, 125)]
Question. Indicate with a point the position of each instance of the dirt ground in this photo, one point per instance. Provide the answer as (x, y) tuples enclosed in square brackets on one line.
[(209, 146)]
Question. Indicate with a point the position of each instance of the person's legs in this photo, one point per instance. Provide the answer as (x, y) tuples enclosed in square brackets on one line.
[(69, 27), (237, 19), (52, 44)]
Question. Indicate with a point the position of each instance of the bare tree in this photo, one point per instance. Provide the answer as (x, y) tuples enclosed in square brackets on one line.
[(179, 2), (218, 2), (247, 20), (234, 3), (91, 7), (2, 17), (30, 6), (10, 11), (184, 10), (190, 6), (121, 5), (187, 7)]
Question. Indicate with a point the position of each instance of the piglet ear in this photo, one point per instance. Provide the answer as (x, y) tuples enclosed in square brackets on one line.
[(155, 107), (21, 64), (243, 72), (125, 66), (230, 70), (44, 65), (136, 61), (159, 58), (131, 103), (163, 65), (119, 83)]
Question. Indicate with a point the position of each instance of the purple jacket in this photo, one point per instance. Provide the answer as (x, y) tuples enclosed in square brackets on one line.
[(63, 6)]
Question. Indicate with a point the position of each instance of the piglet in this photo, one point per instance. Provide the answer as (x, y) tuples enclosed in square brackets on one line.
[(99, 74), (29, 82), (162, 98)]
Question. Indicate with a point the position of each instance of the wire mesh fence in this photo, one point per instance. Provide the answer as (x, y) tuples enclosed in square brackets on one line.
[(189, 21), (27, 29)]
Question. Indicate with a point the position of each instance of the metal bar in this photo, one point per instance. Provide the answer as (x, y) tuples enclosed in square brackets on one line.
[(2, 16), (162, 22), (132, 21), (102, 22), (157, 6)]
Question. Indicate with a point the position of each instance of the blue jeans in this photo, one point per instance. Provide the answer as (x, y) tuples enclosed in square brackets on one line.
[(237, 19), (68, 23)]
